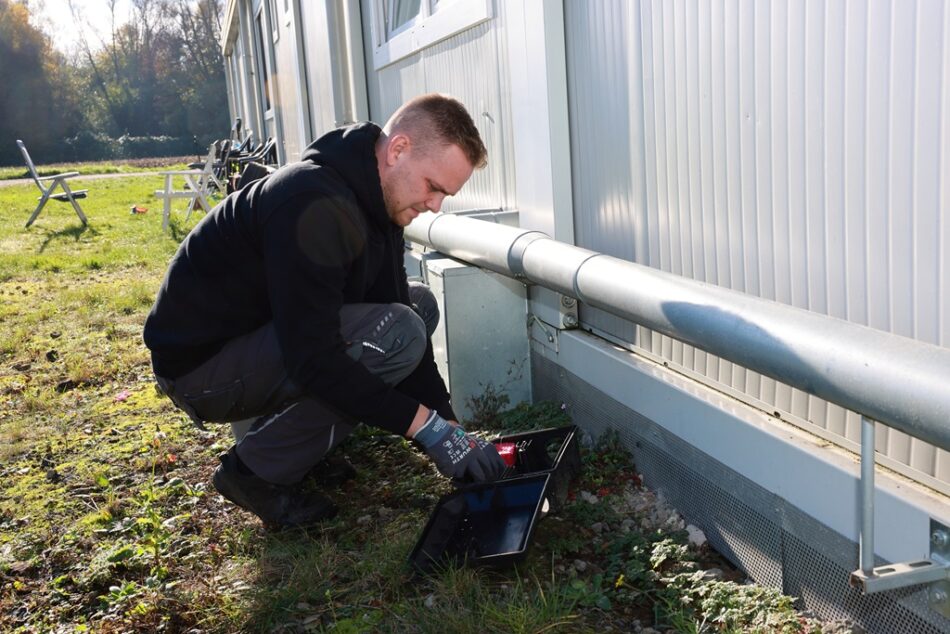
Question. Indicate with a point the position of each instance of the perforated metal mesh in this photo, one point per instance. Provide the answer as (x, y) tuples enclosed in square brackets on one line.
[(772, 541)]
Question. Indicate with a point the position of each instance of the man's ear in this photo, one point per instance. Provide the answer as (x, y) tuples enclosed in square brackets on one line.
[(399, 144)]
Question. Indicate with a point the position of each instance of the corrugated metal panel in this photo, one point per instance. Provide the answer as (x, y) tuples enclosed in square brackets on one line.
[(794, 151), (318, 59), (327, 97), (243, 106), (287, 80), (472, 67)]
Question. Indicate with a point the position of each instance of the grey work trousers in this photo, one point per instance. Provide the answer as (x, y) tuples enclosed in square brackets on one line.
[(290, 430)]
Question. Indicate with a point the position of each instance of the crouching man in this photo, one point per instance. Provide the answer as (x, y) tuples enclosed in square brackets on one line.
[(288, 304)]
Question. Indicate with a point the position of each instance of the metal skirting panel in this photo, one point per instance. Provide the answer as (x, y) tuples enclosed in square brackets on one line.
[(496, 359), (772, 541), (796, 151)]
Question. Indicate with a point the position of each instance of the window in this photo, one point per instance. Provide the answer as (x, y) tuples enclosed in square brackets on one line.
[(274, 22), (400, 14), (262, 62), (404, 27)]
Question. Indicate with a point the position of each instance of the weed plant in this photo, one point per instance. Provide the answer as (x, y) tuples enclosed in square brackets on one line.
[(108, 522)]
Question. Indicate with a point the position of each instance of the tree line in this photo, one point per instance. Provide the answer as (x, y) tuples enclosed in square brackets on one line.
[(156, 88)]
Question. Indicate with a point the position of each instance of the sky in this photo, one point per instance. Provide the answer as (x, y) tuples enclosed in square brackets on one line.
[(55, 18)]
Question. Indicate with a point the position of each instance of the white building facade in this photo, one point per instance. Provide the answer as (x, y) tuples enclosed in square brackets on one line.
[(794, 151)]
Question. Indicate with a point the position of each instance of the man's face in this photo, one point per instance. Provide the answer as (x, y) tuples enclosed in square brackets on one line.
[(415, 182)]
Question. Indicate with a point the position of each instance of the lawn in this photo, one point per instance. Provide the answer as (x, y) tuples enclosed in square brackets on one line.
[(108, 522), (128, 166)]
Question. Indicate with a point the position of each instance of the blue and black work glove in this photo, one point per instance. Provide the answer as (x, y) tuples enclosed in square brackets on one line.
[(457, 454)]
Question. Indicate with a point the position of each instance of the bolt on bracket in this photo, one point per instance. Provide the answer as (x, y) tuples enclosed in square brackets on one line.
[(568, 311), (939, 595), (935, 570)]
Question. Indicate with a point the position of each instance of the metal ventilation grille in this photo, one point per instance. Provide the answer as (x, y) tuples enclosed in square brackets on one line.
[(772, 541), (823, 586), (733, 528)]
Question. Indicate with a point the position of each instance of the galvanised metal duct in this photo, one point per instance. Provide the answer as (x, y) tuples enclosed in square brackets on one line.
[(898, 381)]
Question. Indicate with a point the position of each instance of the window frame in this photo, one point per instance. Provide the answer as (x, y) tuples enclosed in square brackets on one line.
[(437, 20), (425, 9), (273, 20), (265, 73)]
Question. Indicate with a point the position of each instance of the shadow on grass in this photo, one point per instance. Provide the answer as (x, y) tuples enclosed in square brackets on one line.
[(72, 231)]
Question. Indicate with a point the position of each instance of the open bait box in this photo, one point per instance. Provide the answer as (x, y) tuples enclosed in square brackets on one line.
[(553, 451), (491, 524)]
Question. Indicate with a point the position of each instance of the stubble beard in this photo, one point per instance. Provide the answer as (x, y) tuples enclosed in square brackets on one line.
[(388, 201)]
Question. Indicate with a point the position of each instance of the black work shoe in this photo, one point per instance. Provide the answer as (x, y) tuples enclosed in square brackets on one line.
[(277, 506), (332, 471)]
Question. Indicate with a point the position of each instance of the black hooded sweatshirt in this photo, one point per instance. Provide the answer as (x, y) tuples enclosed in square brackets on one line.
[(292, 248)]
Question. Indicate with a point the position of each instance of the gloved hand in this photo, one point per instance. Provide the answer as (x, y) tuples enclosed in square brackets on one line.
[(457, 454)]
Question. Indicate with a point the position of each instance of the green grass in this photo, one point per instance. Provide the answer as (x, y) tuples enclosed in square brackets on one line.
[(97, 167), (108, 522)]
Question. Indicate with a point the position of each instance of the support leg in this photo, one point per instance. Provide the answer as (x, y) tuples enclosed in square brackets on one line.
[(866, 539), (197, 186), (192, 186), (167, 207), (166, 212), (39, 207), (75, 203)]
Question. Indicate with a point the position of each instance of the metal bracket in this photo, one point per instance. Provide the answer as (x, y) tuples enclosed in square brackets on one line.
[(935, 570), (568, 311), (939, 592), (548, 336), (870, 578), (894, 576)]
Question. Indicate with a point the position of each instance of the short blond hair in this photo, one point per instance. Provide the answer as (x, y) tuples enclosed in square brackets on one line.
[(435, 119)]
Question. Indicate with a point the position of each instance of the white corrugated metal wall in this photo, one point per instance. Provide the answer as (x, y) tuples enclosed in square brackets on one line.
[(319, 58), (789, 150), (286, 81), (797, 151), (471, 66)]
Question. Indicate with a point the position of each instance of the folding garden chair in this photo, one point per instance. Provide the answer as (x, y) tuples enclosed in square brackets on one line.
[(265, 154), (209, 177), (58, 180)]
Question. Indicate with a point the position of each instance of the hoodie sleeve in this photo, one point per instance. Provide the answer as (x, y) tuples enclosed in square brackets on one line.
[(310, 243)]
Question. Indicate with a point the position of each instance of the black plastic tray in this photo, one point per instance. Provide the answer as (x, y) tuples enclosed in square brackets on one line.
[(491, 524), (483, 525), (553, 450)]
